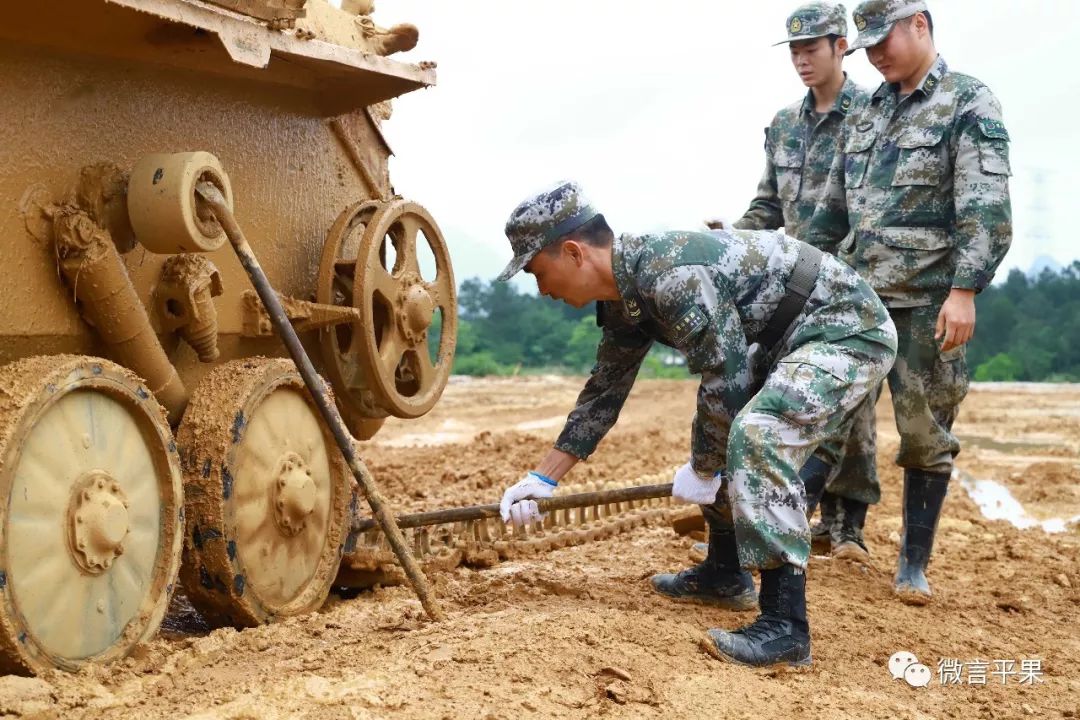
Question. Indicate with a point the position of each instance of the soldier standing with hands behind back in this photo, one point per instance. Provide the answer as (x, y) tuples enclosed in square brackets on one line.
[(925, 173)]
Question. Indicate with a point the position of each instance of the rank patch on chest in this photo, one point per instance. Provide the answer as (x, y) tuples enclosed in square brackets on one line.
[(689, 324)]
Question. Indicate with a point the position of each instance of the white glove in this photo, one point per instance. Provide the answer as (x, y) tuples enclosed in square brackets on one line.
[(687, 485), (718, 223), (516, 506)]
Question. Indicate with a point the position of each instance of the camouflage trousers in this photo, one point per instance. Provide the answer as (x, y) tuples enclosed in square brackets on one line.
[(927, 387), (853, 455), (808, 398)]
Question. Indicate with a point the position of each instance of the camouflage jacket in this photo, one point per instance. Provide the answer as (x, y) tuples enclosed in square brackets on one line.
[(927, 188), (707, 295), (794, 192)]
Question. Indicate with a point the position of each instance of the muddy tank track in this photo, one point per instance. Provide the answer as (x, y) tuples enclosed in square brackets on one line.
[(484, 543)]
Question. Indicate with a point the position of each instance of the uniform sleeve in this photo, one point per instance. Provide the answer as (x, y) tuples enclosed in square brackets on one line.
[(712, 423), (708, 330), (981, 193), (619, 356), (765, 211)]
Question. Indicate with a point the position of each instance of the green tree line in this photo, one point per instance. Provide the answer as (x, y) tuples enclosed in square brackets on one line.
[(503, 331), (1027, 329)]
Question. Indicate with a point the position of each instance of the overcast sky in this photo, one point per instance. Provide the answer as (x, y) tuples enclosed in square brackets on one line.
[(657, 108)]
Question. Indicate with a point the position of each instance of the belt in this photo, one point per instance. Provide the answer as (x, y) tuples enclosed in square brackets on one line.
[(799, 285)]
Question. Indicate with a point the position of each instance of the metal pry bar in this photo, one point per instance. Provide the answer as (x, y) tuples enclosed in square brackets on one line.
[(213, 198), (562, 502)]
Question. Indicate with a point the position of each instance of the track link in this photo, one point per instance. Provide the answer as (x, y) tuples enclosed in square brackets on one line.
[(369, 560)]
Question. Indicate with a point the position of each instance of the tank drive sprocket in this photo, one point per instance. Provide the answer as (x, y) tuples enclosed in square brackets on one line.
[(92, 528), (398, 306), (388, 362), (334, 286), (267, 499)]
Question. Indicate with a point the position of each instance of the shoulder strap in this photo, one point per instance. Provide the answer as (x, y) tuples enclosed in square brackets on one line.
[(799, 286)]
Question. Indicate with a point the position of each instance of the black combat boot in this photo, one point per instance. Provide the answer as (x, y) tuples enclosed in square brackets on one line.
[(821, 531), (814, 475), (847, 531), (924, 494), (717, 580), (780, 634)]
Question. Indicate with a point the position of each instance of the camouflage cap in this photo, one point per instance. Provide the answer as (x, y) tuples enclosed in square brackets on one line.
[(875, 18), (543, 218), (815, 20)]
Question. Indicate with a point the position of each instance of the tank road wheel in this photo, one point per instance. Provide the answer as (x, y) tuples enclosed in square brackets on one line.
[(268, 495), (91, 522), (398, 307), (335, 287)]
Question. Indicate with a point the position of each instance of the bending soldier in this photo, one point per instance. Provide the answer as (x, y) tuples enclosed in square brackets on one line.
[(709, 295)]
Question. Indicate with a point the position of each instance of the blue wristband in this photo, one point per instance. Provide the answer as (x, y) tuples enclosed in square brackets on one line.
[(544, 478)]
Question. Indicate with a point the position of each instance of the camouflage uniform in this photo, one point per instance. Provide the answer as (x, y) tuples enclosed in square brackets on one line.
[(926, 177), (708, 295), (795, 193), (926, 181)]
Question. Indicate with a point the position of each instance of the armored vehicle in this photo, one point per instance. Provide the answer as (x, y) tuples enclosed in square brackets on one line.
[(151, 431)]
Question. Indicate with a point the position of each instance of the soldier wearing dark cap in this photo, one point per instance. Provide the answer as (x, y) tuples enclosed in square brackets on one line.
[(709, 296), (925, 173), (801, 144)]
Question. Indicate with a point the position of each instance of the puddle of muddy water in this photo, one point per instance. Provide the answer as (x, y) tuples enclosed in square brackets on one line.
[(1006, 446), (995, 502), (462, 433)]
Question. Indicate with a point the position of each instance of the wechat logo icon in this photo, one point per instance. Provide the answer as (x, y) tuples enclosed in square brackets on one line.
[(905, 666)]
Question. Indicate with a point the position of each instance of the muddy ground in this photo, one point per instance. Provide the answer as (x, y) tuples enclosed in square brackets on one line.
[(577, 633)]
